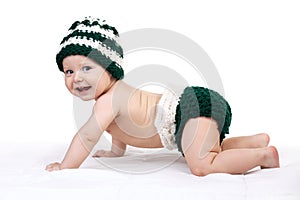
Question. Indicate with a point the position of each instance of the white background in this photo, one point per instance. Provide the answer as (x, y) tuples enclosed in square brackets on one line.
[(255, 46)]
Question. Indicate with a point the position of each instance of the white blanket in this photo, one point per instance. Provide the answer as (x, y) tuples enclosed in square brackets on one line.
[(140, 174)]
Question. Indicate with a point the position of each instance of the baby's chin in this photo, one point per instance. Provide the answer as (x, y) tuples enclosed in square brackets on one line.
[(87, 97)]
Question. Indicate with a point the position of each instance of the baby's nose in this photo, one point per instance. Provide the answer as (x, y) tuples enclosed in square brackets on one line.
[(78, 77)]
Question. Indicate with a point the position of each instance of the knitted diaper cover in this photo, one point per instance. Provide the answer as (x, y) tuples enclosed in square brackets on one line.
[(202, 102), (173, 112)]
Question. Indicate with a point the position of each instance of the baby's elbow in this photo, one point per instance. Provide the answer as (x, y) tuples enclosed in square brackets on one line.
[(89, 138)]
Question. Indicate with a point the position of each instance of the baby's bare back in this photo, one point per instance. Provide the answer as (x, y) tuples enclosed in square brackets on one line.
[(136, 111)]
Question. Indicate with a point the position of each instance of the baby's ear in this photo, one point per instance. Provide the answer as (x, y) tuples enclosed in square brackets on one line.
[(112, 79)]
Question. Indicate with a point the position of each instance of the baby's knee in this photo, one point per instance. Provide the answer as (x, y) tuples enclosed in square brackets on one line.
[(201, 167), (200, 170)]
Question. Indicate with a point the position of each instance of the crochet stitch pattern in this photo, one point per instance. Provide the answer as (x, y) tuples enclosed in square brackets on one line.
[(199, 101), (93, 38)]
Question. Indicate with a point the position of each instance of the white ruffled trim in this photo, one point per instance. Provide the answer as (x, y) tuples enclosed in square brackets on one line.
[(165, 119), (113, 55)]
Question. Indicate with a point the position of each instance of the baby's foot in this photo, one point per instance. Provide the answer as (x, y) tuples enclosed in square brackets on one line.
[(271, 158), (103, 153)]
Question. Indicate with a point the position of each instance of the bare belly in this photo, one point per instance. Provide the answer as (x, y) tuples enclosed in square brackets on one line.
[(133, 139)]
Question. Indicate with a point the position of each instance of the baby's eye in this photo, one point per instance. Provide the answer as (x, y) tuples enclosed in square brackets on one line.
[(68, 72), (86, 68)]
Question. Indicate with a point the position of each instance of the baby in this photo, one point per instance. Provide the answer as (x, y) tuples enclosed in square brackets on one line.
[(194, 122)]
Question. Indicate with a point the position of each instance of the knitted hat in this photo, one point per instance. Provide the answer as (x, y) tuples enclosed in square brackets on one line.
[(93, 38)]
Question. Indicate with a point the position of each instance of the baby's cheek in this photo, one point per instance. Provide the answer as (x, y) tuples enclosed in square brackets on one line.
[(69, 87), (68, 84)]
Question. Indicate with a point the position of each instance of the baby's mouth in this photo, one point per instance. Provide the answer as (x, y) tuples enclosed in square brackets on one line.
[(81, 89)]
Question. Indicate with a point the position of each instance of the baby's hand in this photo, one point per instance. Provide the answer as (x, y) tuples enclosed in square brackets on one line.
[(103, 153), (53, 167)]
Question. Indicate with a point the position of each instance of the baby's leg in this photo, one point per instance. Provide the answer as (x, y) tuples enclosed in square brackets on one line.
[(200, 143), (253, 141)]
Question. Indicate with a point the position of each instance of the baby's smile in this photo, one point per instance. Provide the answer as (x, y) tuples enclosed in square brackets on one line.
[(83, 88)]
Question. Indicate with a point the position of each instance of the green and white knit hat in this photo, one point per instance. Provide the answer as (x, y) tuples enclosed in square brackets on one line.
[(95, 39)]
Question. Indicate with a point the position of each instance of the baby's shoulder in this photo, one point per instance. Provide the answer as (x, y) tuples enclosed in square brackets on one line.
[(104, 102)]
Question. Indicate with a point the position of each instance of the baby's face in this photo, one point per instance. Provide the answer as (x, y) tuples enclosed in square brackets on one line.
[(85, 78)]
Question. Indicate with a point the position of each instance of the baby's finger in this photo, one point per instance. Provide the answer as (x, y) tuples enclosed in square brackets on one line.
[(49, 168), (53, 166), (99, 153)]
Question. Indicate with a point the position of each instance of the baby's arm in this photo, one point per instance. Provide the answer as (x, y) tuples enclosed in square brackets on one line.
[(86, 138), (118, 149)]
